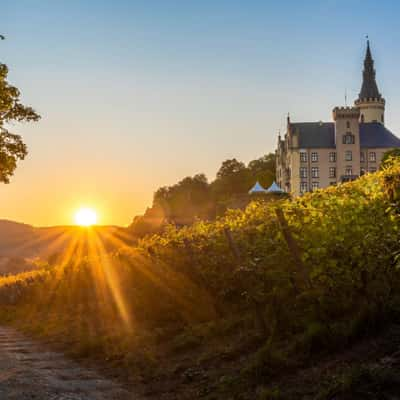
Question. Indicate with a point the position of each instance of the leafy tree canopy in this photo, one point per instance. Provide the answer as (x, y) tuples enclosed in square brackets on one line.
[(193, 197), (230, 168), (12, 147)]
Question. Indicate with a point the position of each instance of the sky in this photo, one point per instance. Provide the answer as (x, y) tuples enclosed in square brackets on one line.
[(135, 95)]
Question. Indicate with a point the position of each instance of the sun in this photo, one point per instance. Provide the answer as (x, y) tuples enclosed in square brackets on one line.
[(85, 217)]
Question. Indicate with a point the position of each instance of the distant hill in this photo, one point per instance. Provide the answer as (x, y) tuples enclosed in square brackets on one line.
[(14, 236), (21, 243)]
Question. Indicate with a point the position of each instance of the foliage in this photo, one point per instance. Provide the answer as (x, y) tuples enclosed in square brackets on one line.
[(186, 200), (239, 266), (12, 148), (194, 198), (234, 178), (389, 157)]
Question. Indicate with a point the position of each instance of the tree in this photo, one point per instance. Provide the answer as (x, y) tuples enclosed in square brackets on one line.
[(12, 147), (230, 168), (193, 197), (233, 178), (389, 157), (263, 169), (263, 164), (187, 199)]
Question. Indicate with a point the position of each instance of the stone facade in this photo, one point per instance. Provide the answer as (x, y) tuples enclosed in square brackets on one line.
[(318, 154)]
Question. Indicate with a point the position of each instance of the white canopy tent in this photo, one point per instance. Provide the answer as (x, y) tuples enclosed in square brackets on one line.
[(274, 188), (257, 188)]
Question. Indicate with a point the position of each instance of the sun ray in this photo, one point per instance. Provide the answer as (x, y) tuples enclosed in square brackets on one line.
[(111, 279)]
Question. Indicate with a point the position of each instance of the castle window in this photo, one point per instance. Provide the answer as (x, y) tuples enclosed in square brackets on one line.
[(314, 156), (362, 157), (372, 156), (362, 117), (362, 171), (372, 169), (303, 156), (303, 172), (348, 171), (348, 124), (332, 172), (315, 172), (348, 138), (303, 187), (332, 156), (348, 156), (382, 119), (314, 185)]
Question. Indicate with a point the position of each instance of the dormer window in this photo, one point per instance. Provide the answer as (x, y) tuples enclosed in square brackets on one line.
[(348, 138)]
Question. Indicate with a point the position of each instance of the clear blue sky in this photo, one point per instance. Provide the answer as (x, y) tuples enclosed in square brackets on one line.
[(139, 94)]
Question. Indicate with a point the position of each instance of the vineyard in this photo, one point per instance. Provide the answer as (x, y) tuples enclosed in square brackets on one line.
[(263, 290)]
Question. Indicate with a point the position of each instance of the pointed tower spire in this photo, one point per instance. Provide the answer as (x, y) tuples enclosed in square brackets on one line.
[(369, 88), (370, 102)]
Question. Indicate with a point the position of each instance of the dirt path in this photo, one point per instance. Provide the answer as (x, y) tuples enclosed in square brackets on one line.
[(27, 371)]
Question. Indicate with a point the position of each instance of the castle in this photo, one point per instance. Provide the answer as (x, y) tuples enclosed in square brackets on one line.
[(315, 155)]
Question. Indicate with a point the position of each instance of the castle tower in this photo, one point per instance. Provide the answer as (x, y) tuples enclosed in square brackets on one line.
[(347, 142), (370, 102)]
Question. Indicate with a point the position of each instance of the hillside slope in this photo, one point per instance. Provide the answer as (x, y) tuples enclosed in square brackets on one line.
[(236, 308)]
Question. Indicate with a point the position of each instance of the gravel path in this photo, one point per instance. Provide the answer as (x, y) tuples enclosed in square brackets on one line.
[(28, 371)]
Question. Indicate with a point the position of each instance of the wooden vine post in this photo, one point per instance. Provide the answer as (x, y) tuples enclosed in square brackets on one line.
[(301, 273), (195, 275), (258, 307)]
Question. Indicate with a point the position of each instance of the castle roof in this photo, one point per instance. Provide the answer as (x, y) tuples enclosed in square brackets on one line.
[(322, 135), (374, 134), (369, 88), (314, 134)]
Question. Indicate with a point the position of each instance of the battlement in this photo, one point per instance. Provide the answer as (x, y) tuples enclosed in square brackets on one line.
[(379, 100), (345, 112)]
